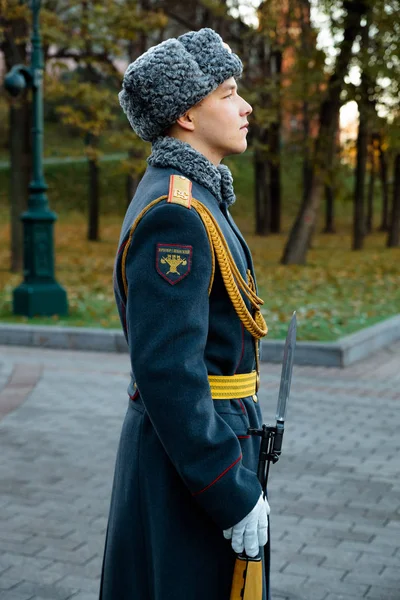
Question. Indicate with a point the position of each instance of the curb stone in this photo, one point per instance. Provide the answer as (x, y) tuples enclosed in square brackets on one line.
[(342, 353)]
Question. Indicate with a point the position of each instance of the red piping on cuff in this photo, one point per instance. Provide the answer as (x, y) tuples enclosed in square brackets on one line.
[(219, 477)]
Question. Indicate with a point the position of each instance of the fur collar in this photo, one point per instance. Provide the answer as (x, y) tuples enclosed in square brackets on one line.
[(171, 152)]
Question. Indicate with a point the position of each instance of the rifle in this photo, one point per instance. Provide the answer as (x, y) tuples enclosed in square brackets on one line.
[(247, 574)]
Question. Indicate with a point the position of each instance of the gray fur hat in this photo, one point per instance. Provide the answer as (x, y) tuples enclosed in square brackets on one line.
[(168, 79)]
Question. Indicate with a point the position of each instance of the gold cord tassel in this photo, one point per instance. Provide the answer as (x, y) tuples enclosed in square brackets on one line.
[(234, 282)]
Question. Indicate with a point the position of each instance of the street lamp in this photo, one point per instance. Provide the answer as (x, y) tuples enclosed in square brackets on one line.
[(39, 293)]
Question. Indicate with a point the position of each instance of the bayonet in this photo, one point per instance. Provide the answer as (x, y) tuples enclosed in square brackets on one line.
[(287, 367), (286, 380), (247, 568), (271, 436)]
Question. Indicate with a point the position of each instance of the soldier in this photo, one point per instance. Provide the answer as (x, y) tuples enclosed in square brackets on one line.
[(186, 495)]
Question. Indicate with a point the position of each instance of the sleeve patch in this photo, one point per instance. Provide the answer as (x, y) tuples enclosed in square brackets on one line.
[(173, 261)]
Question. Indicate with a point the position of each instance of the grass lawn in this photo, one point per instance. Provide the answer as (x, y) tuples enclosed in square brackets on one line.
[(337, 293)]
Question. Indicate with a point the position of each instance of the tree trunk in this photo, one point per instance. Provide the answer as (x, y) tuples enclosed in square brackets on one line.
[(329, 185), (135, 49), (94, 194), (275, 148), (300, 236), (361, 167), (385, 192), (371, 186), (306, 49), (262, 152), (394, 232), (307, 167), (329, 209), (262, 189), (275, 185), (93, 223), (91, 140), (362, 144)]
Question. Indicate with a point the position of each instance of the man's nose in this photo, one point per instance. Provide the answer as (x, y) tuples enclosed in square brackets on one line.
[(247, 109)]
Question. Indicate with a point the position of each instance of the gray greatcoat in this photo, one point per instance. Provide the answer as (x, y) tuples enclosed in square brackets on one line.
[(186, 468)]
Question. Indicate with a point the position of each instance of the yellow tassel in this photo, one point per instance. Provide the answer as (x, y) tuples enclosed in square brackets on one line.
[(234, 282)]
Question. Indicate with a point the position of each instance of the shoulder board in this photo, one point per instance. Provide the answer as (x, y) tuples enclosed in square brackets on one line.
[(180, 191)]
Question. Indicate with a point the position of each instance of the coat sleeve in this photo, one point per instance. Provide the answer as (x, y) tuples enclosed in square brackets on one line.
[(167, 330)]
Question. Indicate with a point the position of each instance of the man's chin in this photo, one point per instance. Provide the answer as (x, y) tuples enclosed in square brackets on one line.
[(238, 149)]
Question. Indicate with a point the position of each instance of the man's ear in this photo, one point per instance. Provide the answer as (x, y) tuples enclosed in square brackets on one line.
[(186, 121)]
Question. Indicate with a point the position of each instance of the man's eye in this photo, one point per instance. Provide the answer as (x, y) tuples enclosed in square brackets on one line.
[(229, 96)]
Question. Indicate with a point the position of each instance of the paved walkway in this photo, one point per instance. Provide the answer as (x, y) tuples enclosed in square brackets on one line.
[(335, 493)]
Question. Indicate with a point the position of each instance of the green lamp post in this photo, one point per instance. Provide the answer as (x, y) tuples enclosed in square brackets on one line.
[(39, 293)]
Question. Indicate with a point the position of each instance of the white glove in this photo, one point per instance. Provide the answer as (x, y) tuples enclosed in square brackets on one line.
[(252, 531)]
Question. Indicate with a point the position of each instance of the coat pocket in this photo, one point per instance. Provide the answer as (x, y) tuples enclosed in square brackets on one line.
[(234, 413)]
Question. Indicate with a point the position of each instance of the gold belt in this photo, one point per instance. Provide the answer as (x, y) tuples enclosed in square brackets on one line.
[(229, 387)]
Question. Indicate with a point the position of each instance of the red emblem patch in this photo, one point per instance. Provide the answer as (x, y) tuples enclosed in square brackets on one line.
[(173, 261)]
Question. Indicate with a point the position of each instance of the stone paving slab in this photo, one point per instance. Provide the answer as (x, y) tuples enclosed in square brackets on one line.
[(20, 383), (334, 494)]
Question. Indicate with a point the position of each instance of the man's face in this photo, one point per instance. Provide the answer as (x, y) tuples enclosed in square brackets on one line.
[(219, 122)]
